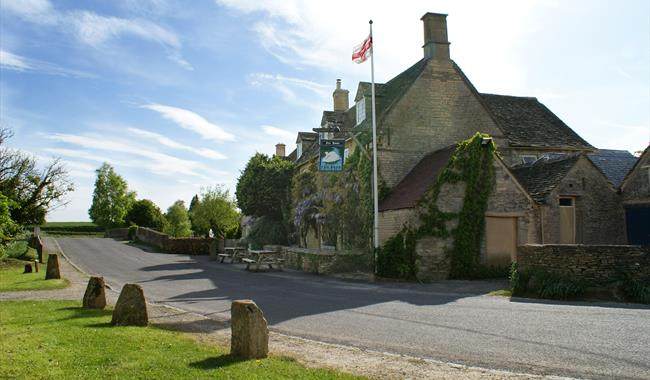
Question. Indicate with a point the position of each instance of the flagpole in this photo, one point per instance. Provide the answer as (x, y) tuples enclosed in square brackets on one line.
[(375, 190)]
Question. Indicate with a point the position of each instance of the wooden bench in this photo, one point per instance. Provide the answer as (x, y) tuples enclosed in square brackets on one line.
[(264, 258), (248, 263), (223, 256)]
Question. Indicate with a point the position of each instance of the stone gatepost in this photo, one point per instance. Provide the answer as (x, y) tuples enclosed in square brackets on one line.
[(131, 308), (95, 295), (250, 333), (52, 271)]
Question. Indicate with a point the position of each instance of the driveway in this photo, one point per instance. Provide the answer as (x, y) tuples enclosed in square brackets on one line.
[(450, 321)]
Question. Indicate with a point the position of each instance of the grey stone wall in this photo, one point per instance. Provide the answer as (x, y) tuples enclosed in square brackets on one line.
[(636, 188), (391, 222), (327, 262), (597, 264), (187, 246), (599, 210), (117, 233)]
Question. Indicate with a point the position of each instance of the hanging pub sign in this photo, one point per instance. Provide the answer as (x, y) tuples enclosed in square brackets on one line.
[(331, 155)]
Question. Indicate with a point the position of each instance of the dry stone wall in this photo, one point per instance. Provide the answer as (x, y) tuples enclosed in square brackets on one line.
[(597, 264), (188, 246)]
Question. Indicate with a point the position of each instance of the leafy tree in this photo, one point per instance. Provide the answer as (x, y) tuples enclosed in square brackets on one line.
[(215, 210), (264, 187), (145, 213), (193, 203), (33, 189), (178, 220), (8, 228), (111, 198)]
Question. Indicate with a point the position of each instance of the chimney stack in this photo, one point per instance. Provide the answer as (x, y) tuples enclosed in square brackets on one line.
[(280, 150), (436, 43), (341, 98)]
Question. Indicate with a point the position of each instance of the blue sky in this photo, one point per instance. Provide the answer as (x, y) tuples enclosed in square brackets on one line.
[(177, 95)]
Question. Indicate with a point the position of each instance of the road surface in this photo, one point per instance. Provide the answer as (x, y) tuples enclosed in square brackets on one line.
[(452, 321)]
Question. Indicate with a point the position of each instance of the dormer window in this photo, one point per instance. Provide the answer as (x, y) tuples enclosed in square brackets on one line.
[(361, 110), (299, 150)]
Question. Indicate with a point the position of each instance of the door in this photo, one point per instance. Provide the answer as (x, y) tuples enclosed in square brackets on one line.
[(637, 220), (567, 221), (501, 240)]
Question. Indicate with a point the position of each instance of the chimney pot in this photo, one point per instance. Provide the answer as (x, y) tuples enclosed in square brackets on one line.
[(341, 98), (280, 150), (436, 42)]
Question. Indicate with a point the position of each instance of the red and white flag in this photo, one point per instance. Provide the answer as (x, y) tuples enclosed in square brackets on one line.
[(362, 52)]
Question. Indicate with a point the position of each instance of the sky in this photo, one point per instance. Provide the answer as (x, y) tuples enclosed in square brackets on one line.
[(178, 95)]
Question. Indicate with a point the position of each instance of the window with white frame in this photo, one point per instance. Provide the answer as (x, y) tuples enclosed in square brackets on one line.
[(299, 150), (361, 110)]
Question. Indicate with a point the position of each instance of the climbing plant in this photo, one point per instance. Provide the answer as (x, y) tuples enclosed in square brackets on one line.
[(472, 164)]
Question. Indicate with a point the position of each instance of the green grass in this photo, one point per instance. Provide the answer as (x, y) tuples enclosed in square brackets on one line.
[(501, 293), (12, 278), (72, 229), (59, 340)]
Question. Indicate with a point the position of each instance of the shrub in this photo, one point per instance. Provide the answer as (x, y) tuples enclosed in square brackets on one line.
[(540, 283), (133, 229), (267, 231), (562, 288), (634, 289), (396, 259)]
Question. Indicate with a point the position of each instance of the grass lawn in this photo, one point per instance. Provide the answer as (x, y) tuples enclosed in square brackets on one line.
[(501, 293), (13, 279), (59, 340), (72, 229)]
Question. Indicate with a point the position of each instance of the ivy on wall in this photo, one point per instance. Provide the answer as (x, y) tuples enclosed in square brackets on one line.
[(471, 164)]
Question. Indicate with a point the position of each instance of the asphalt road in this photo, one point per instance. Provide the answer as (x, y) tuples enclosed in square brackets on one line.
[(451, 321)]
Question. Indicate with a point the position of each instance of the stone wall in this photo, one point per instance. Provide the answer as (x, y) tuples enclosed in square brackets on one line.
[(636, 188), (596, 264), (117, 233), (187, 246), (599, 213), (326, 262), (391, 222)]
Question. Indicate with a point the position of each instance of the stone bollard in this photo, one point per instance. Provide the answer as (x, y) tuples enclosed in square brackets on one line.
[(28, 268), (250, 333), (35, 265), (52, 271), (95, 295), (39, 248), (213, 249), (131, 308)]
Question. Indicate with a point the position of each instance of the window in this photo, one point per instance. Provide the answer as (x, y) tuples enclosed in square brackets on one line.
[(299, 150), (566, 202), (528, 158), (361, 110)]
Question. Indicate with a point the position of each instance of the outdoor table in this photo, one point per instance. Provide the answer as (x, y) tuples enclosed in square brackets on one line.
[(233, 253), (263, 257)]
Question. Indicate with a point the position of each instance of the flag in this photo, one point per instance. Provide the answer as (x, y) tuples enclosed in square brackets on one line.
[(362, 51)]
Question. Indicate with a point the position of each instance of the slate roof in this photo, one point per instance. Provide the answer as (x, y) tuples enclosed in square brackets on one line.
[(615, 164), (526, 122), (412, 187), (306, 136), (646, 151), (543, 175)]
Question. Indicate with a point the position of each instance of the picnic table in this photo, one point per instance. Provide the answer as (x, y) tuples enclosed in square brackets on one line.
[(233, 253), (263, 257)]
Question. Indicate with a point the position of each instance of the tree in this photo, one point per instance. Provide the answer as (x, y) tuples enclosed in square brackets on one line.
[(111, 198), (215, 210), (178, 220), (193, 203), (264, 187), (8, 228), (145, 213), (33, 189)]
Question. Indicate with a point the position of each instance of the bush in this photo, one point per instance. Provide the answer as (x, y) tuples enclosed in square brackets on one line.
[(634, 289), (133, 229), (267, 231), (396, 259), (539, 283)]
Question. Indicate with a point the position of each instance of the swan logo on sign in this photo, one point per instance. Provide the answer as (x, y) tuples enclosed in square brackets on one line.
[(331, 155)]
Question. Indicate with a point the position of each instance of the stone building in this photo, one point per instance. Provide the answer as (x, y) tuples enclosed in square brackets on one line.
[(635, 190), (549, 187)]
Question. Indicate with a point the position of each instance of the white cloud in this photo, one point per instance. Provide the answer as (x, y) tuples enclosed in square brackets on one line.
[(318, 34), (191, 121), (165, 141), (295, 91), (95, 30), (12, 61), (278, 132), (149, 160)]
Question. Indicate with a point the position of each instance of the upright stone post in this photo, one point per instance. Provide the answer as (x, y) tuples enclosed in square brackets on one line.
[(95, 295), (28, 268), (250, 333), (39, 247), (52, 271), (131, 308), (213, 249)]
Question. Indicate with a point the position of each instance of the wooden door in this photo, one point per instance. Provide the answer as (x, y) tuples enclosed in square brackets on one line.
[(567, 221), (501, 240)]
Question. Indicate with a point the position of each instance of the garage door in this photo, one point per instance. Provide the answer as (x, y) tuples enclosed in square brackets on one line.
[(501, 239)]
